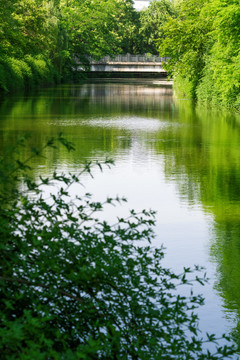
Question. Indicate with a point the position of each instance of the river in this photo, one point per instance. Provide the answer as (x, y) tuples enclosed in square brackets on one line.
[(172, 156)]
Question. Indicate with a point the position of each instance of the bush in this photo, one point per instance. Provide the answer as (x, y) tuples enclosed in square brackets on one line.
[(25, 73), (43, 70), (76, 287), (11, 74), (220, 82), (3, 82), (183, 87), (206, 92)]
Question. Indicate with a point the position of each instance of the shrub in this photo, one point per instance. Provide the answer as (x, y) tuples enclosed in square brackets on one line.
[(183, 87), (3, 83), (11, 75), (26, 72), (43, 71)]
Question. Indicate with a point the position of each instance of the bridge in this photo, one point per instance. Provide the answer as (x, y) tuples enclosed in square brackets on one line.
[(138, 65)]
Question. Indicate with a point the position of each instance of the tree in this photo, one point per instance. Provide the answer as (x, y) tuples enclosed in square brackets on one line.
[(97, 28), (203, 45), (29, 32), (7, 26), (186, 41), (41, 39), (76, 287), (152, 21), (220, 83)]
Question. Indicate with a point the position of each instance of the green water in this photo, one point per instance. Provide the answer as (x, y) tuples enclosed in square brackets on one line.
[(172, 156)]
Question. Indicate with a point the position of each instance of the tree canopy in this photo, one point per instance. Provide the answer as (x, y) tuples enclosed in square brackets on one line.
[(203, 44), (152, 20), (40, 40)]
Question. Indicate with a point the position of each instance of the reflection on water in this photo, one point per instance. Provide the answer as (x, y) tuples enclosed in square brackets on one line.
[(128, 123), (180, 159)]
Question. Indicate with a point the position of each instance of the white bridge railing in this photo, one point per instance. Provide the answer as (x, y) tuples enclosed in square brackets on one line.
[(129, 58)]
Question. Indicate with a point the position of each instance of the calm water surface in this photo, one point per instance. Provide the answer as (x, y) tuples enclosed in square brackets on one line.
[(172, 156)]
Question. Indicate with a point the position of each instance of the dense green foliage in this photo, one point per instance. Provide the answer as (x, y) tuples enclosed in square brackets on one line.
[(152, 20), (74, 286), (27, 43), (41, 39), (203, 43)]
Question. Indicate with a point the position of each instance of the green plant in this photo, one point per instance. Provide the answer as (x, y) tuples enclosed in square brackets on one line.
[(152, 21), (73, 286)]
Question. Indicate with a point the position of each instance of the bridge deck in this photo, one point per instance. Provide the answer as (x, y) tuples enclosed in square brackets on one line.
[(127, 67), (127, 63)]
